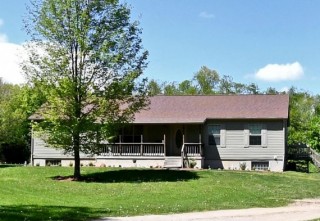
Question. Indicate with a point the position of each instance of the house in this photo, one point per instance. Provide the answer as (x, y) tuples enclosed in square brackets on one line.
[(218, 131)]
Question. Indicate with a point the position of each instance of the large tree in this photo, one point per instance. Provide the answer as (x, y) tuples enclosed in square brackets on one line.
[(87, 57)]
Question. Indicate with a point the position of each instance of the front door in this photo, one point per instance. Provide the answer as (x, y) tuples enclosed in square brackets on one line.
[(176, 140)]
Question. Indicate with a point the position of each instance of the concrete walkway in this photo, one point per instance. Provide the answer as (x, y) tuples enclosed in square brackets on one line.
[(307, 209)]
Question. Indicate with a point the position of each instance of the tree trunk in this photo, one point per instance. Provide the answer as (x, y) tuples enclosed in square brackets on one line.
[(76, 148)]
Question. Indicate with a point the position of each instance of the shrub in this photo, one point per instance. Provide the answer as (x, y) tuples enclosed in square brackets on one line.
[(192, 163), (243, 166), (70, 164), (91, 164)]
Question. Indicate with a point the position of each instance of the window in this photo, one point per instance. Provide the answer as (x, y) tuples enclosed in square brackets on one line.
[(214, 134), (255, 134), (131, 134), (259, 165)]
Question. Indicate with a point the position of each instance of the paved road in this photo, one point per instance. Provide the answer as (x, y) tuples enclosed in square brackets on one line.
[(301, 210)]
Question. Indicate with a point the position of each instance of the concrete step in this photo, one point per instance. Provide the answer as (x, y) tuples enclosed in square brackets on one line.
[(172, 162)]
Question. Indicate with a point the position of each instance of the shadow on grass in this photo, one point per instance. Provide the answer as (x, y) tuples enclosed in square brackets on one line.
[(136, 176), (10, 165), (40, 213)]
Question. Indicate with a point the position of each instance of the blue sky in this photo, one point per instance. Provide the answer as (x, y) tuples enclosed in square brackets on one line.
[(268, 42)]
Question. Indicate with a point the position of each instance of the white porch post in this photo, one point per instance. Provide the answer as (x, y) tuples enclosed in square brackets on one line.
[(164, 144), (120, 147), (141, 146), (200, 144)]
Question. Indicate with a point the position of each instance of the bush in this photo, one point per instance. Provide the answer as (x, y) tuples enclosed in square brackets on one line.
[(243, 166), (91, 164), (70, 164), (192, 163)]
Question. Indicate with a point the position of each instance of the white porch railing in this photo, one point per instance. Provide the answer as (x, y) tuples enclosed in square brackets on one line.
[(190, 150), (193, 149), (315, 156), (133, 149)]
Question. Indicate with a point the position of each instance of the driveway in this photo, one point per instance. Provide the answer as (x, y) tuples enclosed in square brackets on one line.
[(307, 209)]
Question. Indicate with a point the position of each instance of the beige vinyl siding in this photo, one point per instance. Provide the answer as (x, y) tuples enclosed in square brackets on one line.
[(248, 154), (237, 142), (234, 138), (40, 150)]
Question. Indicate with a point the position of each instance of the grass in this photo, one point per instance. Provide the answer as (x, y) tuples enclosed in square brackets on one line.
[(34, 193)]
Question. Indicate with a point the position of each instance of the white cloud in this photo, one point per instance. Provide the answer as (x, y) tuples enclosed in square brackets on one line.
[(10, 59), (205, 14), (280, 72)]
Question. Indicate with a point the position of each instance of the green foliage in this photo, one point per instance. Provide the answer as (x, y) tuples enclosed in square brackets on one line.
[(226, 85), (170, 89), (154, 88), (205, 82), (187, 88), (314, 133), (10, 115), (301, 114), (313, 168), (118, 192), (87, 58), (16, 105)]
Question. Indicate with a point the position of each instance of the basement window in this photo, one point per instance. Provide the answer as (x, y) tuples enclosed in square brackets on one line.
[(259, 165), (53, 162)]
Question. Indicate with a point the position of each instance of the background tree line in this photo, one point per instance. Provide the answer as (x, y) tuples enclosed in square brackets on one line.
[(206, 82)]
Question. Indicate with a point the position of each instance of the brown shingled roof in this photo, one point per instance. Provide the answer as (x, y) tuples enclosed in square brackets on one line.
[(196, 109)]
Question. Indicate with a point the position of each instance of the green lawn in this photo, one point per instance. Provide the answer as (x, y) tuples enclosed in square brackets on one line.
[(33, 193)]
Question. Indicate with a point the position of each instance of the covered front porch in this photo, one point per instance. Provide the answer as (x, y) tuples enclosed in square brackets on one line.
[(164, 143)]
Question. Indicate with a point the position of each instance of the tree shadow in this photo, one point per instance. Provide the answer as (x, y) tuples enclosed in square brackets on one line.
[(9, 165), (136, 176), (42, 213)]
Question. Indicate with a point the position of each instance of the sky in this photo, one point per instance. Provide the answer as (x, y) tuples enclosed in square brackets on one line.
[(268, 42)]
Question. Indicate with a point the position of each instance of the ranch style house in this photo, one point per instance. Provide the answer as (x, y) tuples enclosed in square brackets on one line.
[(218, 131)]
